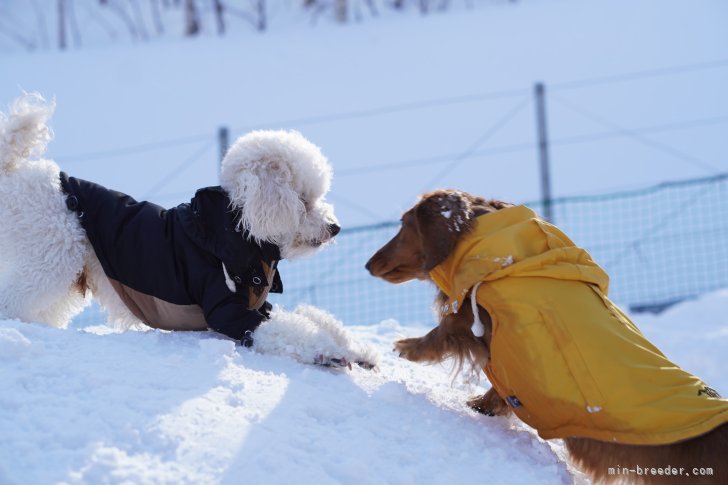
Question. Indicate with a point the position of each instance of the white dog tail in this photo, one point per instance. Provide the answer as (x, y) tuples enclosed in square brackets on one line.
[(24, 130)]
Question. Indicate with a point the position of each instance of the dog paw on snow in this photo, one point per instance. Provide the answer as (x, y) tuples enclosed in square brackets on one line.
[(311, 336)]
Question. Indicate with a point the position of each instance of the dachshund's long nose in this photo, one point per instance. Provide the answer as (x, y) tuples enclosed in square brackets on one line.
[(334, 229)]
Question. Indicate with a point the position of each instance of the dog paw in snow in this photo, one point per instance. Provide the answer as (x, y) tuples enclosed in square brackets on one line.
[(311, 336), (331, 362), (361, 354)]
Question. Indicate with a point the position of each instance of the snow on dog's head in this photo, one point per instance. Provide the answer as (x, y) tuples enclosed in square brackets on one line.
[(278, 179)]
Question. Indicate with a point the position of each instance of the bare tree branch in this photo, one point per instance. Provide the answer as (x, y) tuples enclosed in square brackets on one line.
[(424, 6), (318, 10), (124, 16), (192, 19), (141, 26), (157, 16), (262, 19), (42, 27), (372, 7), (61, 4), (93, 13), (219, 16), (341, 11), (73, 23), (247, 16)]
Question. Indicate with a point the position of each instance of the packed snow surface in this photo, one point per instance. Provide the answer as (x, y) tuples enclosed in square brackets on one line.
[(86, 405)]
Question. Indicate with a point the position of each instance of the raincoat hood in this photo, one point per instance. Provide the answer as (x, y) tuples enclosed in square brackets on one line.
[(514, 242), (567, 360)]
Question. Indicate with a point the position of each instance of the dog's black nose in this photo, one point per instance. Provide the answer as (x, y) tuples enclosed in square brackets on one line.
[(334, 229), (368, 266)]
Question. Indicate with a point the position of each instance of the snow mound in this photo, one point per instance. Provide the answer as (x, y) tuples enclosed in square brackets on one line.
[(89, 406)]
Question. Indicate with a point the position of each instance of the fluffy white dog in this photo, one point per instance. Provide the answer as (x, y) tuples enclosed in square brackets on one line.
[(207, 264)]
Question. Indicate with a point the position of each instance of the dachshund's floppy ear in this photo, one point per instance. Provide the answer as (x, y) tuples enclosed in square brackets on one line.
[(442, 217)]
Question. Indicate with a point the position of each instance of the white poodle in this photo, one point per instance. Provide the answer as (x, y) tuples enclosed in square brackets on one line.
[(207, 264)]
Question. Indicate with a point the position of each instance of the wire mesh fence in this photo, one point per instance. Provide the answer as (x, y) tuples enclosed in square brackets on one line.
[(659, 245)]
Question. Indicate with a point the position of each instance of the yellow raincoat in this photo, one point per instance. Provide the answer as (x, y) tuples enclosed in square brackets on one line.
[(564, 357)]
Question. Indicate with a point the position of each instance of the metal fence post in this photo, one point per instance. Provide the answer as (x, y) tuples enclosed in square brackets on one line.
[(223, 140), (543, 150)]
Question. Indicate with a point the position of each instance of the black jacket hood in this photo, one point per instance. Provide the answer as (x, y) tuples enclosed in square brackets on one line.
[(209, 221)]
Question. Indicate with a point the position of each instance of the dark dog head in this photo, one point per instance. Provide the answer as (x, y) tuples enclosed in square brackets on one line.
[(429, 232)]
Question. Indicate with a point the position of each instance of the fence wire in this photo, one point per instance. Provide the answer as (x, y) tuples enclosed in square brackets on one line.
[(659, 245)]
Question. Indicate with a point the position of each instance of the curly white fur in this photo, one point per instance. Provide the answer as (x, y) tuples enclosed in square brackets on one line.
[(311, 335), (277, 179), (23, 131), (43, 248)]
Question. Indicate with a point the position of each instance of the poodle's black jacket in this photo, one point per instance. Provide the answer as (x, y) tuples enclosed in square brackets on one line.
[(167, 265)]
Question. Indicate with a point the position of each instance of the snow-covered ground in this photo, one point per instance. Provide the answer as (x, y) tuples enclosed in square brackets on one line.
[(84, 405)]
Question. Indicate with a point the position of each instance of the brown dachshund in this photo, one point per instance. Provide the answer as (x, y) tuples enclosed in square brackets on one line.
[(425, 240)]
